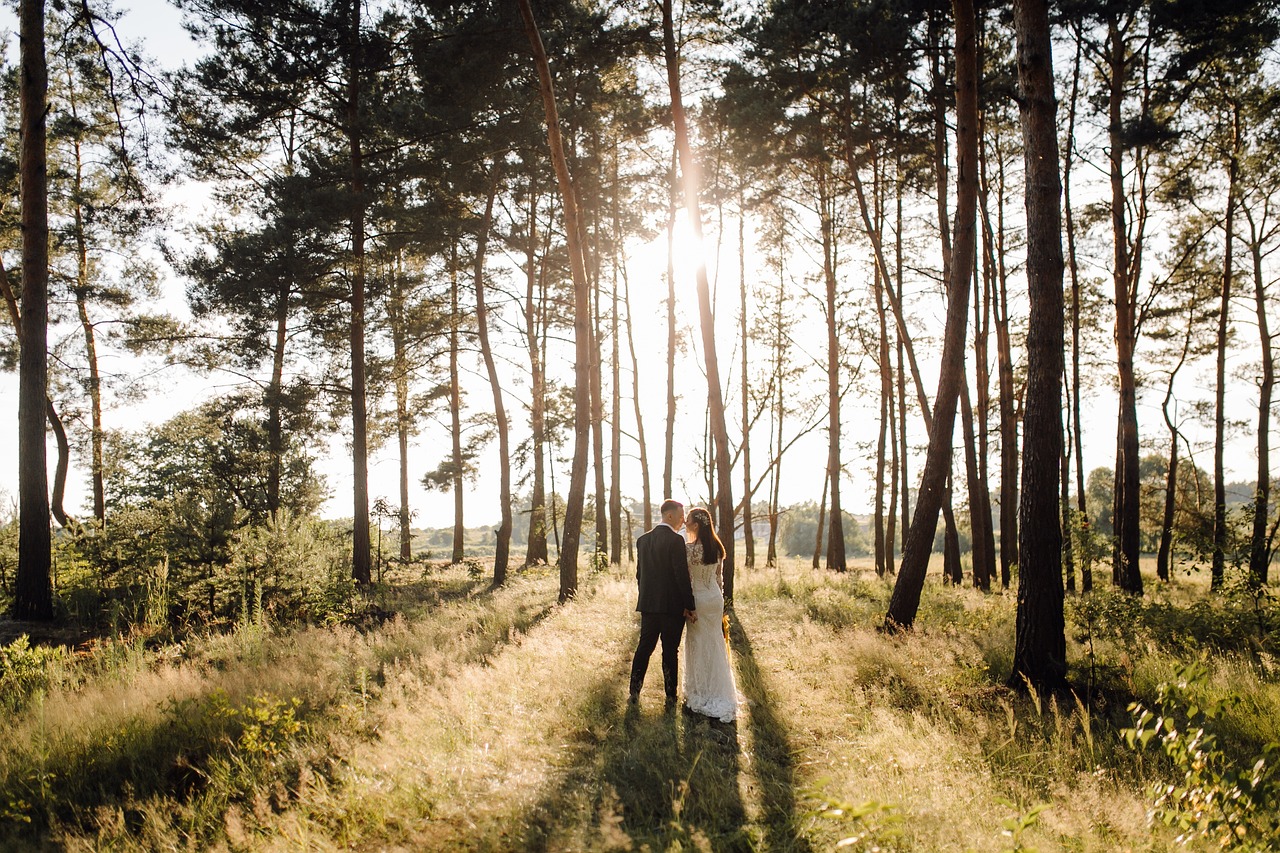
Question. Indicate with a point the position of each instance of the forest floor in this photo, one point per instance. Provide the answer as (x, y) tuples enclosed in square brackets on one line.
[(497, 720)]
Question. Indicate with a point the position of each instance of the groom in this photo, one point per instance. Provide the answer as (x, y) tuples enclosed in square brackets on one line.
[(666, 598)]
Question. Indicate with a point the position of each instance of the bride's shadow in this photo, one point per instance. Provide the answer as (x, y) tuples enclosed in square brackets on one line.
[(657, 776), (771, 747)]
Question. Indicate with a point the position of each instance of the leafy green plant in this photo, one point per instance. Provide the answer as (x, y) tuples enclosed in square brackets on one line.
[(26, 669), (1235, 806), (1015, 826), (867, 826)]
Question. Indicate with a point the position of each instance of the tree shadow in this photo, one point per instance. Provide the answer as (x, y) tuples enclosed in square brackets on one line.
[(771, 748)]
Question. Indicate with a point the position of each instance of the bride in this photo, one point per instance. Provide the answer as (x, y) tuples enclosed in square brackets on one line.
[(708, 679)]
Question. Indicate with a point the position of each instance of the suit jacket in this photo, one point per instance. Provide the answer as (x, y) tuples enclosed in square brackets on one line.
[(662, 570)]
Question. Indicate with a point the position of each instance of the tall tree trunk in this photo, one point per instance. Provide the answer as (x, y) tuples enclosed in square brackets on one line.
[(669, 447), (615, 425), (33, 593), (581, 315), (915, 559), (361, 566), (90, 339), (780, 345), (455, 409), (904, 451), (1171, 487), (884, 537), (1125, 569), (400, 371), (1064, 507), (1086, 567), (748, 535), (502, 545), (645, 490), (951, 568), (55, 422), (1007, 407), (835, 530), (1259, 558), (979, 502), (1040, 646), (536, 552), (719, 429), (601, 549), (275, 401), (1218, 567)]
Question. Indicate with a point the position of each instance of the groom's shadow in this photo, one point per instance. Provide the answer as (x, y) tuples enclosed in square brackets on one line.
[(657, 776)]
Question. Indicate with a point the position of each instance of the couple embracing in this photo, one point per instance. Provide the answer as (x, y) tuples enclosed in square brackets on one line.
[(681, 581)]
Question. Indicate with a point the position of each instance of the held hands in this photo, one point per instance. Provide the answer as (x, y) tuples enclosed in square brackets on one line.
[(691, 615)]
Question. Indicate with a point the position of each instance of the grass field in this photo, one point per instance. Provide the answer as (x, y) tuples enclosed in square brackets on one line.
[(496, 720)]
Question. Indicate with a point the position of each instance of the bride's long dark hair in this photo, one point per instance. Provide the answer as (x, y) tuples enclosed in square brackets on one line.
[(712, 547)]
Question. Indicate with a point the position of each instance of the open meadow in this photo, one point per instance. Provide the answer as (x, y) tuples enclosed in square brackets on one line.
[(475, 719)]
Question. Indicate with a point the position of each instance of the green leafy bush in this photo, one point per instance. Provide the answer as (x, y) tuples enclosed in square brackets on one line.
[(1214, 798), (26, 669)]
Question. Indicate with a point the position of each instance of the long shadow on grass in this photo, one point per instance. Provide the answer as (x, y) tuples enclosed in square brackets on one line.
[(771, 747), (173, 753), (646, 775)]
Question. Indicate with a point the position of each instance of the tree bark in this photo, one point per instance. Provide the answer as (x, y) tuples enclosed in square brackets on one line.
[(1040, 653), (90, 341), (979, 500), (1218, 567), (502, 545), (55, 422), (1259, 558), (915, 559), (455, 409), (1170, 488), (581, 315), (361, 567), (33, 593), (835, 529), (400, 372), (1125, 569), (615, 419), (719, 429), (669, 446), (645, 490), (1086, 567), (536, 552), (601, 548), (883, 536)]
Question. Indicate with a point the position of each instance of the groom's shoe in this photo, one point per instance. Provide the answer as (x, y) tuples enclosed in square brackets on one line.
[(633, 698)]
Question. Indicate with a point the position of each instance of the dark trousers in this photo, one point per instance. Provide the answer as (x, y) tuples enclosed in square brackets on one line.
[(668, 628)]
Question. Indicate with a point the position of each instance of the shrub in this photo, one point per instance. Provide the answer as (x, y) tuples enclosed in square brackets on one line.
[(1234, 806), (26, 669)]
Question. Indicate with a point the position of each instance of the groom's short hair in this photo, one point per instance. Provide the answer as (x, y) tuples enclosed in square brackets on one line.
[(669, 505)]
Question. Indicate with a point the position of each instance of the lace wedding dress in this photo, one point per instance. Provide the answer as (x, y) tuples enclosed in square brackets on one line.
[(708, 678)]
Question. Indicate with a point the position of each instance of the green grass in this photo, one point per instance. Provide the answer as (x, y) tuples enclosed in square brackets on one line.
[(496, 720)]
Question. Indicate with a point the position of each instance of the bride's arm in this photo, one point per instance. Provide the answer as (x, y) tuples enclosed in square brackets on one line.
[(720, 575)]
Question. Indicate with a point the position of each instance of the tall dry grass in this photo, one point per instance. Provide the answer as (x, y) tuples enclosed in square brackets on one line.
[(493, 721)]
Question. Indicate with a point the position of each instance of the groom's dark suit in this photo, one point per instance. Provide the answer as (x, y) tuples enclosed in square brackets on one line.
[(662, 570)]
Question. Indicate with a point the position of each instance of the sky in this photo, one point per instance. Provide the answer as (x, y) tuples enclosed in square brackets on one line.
[(157, 25)]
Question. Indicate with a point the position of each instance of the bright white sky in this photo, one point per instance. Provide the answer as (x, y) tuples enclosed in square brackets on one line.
[(157, 26)]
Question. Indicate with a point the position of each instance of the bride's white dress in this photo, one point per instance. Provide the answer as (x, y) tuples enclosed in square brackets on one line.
[(708, 678)]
